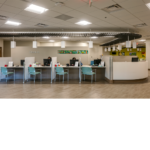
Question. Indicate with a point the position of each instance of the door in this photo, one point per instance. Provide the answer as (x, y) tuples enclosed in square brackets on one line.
[(0, 52)]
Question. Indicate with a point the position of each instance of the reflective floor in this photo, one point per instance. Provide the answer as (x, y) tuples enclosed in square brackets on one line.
[(72, 89)]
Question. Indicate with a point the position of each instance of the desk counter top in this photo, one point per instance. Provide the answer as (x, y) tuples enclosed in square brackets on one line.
[(48, 67), (15, 67)]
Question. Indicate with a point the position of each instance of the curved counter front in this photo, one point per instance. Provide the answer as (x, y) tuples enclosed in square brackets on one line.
[(130, 70)]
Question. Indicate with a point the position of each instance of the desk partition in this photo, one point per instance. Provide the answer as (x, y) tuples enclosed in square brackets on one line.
[(53, 73), (4, 61), (28, 61)]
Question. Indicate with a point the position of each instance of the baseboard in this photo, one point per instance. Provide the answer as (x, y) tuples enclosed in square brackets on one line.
[(131, 81), (109, 81)]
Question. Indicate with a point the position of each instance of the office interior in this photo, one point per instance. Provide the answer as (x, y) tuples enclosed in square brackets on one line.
[(97, 43)]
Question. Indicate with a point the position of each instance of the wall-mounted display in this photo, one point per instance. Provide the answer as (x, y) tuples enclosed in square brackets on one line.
[(143, 54), (121, 53), (73, 51), (132, 53)]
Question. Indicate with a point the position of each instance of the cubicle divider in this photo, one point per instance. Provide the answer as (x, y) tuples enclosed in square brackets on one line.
[(109, 68), (53, 73), (80, 74), (28, 61), (4, 61)]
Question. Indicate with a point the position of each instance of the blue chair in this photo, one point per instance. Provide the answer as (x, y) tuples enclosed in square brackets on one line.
[(5, 72), (32, 71), (88, 71), (60, 71)]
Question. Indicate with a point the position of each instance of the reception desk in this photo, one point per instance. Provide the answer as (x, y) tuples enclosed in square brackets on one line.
[(130, 70)]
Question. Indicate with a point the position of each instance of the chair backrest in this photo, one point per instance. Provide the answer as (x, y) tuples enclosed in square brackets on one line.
[(59, 69), (86, 69), (31, 69), (4, 70)]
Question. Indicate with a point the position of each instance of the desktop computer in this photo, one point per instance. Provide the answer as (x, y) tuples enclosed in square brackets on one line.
[(97, 62), (72, 62), (22, 62), (135, 59), (47, 62)]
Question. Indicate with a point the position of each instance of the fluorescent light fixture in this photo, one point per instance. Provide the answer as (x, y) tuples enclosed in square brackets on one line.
[(119, 47), (36, 9), (83, 23), (134, 45), (34, 45), (65, 37), (148, 5), (109, 49), (94, 37), (142, 40), (128, 44), (13, 44), (63, 44), (45, 37), (114, 48), (13, 23), (105, 49), (52, 40), (90, 44)]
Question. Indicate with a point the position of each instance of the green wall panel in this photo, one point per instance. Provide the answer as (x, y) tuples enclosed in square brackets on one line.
[(140, 54)]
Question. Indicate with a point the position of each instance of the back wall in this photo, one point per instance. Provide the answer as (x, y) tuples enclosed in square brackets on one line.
[(24, 49)]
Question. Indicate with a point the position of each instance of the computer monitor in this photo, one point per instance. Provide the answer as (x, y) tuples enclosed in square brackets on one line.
[(47, 62), (72, 62), (97, 61), (113, 53), (22, 62), (135, 59)]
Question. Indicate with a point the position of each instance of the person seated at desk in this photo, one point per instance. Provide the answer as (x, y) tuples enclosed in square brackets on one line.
[(73, 58), (49, 60)]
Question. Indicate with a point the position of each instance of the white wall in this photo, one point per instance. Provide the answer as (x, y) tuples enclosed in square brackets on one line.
[(148, 52), (44, 50), (2, 45)]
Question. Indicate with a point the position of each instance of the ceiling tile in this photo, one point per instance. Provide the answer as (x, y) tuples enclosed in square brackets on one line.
[(51, 13), (10, 9), (2, 1), (136, 9), (62, 9), (26, 13), (75, 4), (22, 17), (7, 14)]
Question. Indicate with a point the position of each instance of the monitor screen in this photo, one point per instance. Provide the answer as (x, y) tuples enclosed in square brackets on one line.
[(97, 61), (135, 59), (113, 53), (47, 62), (72, 62), (22, 62)]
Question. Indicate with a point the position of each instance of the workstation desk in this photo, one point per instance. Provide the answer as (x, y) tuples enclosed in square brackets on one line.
[(18, 73), (74, 72), (46, 73)]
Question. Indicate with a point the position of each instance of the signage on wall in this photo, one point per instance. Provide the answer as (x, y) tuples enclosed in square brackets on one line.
[(73, 51), (132, 54)]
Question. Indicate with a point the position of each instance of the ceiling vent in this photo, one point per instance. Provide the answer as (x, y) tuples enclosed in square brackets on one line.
[(28, 1), (59, 4), (112, 8), (64, 17), (140, 25), (3, 17), (41, 25)]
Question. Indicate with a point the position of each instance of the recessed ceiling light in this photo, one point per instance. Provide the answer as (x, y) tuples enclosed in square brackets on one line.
[(142, 40), (45, 37), (36, 9), (13, 23), (148, 5), (52, 40), (94, 37), (83, 23), (65, 37)]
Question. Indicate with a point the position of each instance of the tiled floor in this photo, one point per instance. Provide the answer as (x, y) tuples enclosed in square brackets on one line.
[(73, 89)]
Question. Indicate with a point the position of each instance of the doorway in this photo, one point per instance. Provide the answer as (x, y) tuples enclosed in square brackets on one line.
[(0, 52)]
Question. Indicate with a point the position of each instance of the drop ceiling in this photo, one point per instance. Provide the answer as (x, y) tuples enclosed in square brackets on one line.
[(133, 12)]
